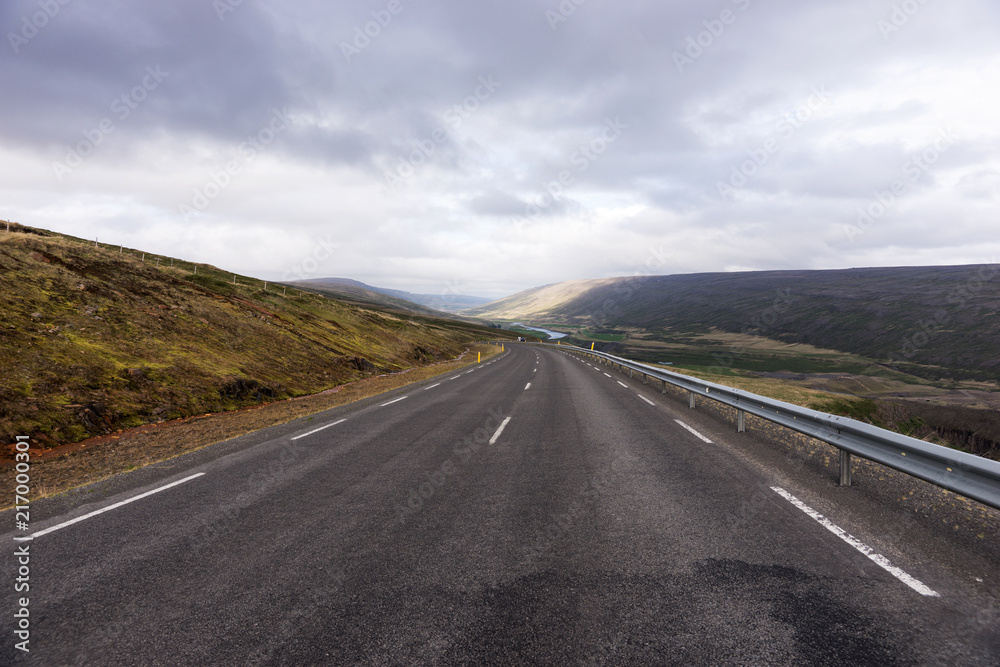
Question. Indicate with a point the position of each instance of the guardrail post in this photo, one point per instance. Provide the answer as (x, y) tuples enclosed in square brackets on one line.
[(664, 389), (741, 424), (691, 399), (845, 467)]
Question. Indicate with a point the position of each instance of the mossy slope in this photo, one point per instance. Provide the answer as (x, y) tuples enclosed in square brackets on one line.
[(94, 339)]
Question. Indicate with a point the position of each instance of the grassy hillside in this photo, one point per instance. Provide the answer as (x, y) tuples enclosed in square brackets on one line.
[(933, 322), (94, 339)]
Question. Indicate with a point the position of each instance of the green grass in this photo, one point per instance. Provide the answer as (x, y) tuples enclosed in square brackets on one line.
[(606, 337)]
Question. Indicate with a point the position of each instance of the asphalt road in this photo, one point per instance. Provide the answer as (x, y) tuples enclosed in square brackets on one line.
[(534, 510)]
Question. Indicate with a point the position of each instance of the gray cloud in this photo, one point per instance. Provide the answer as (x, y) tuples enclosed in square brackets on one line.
[(391, 128)]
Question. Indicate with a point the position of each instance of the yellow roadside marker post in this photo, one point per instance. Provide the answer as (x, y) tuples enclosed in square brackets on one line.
[(592, 346), (479, 359)]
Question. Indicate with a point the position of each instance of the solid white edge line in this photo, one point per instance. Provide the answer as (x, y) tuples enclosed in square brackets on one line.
[(115, 506), (645, 399), (622, 383), (500, 429), (317, 430), (432, 386), (395, 400), (878, 559), (699, 435)]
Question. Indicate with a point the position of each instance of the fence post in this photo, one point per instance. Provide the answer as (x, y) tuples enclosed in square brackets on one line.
[(845, 467)]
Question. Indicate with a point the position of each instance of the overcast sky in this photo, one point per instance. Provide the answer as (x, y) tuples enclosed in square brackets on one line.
[(486, 147)]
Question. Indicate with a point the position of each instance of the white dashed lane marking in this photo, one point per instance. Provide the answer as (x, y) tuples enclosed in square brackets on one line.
[(395, 400), (698, 435), (317, 430)]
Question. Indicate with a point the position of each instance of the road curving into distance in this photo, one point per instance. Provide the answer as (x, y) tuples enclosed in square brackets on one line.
[(534, 509)]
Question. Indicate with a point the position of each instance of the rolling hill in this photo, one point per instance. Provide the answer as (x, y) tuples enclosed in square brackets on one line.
[(429, 304), (98, 338), (935, 322)]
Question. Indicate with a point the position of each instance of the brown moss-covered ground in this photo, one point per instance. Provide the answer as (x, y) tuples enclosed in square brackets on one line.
[(62, 468), (97, 338)]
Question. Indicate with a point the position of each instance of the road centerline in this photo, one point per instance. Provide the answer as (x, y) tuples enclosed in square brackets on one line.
[(317, 430), (499, 430), (395, 400)]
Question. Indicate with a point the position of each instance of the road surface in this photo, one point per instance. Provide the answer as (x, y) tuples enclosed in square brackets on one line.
[(535, 509)]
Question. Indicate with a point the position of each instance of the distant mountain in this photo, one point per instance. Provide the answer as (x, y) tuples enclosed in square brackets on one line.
[(448, 303), (945, 318)]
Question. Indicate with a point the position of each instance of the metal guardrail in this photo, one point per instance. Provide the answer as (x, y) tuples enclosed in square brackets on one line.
[(966, 474)]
